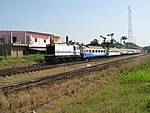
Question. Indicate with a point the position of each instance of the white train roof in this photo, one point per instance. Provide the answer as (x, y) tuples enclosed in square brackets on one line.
[(93, 47)]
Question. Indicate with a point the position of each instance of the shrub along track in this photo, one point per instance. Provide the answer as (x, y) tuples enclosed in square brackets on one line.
[(64, 75)]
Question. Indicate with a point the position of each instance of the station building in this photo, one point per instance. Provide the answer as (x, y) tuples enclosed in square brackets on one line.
[(19, 43)]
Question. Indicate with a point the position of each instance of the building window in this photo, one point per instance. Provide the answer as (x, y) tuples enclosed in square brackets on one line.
[(14, 39), (44, 40), (2, 40), (35, 39), (24, 52)]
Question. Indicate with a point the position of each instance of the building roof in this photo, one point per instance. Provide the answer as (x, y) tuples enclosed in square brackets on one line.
[(56, 36)]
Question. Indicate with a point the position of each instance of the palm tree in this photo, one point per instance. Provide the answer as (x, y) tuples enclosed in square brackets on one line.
[(95, 42), (123, 38)]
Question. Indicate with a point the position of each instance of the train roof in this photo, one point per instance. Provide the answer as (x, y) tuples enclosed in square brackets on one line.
[(94, 47)]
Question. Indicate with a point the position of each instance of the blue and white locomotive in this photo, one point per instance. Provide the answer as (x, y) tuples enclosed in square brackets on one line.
[(56, 53)]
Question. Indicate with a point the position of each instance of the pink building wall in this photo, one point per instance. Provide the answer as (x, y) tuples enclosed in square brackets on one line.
[(5, 34), (28, 37), (31, 37), (20, 36)]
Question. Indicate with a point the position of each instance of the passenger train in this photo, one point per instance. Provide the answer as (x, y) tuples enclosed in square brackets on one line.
[(58, 53)]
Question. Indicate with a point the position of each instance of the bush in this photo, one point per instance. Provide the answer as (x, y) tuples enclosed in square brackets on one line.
[(2, 58), (33, 57), (13, 61)]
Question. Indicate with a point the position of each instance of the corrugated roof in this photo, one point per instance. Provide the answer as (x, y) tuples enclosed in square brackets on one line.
[(43, 33)]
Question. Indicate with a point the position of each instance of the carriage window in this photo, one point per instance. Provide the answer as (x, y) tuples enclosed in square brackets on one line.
[(92, 51), (89, 51), (99, 51), (96, 51), (104, 51)]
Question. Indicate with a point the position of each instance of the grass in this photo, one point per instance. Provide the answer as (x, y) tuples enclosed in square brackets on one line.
[(123, 89), (128, 93), (34, 57), (21, 61)]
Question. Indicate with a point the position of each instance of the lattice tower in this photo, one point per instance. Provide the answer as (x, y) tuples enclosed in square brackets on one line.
[(130, 32)]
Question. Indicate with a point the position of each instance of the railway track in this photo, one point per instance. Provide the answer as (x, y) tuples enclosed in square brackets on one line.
[(38, 67), (60, 76), (42, 66)]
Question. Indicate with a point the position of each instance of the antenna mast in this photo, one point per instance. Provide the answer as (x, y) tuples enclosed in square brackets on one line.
[(130, 33)]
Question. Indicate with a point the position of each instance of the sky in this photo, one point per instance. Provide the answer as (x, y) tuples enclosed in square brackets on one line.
[(81, 20)]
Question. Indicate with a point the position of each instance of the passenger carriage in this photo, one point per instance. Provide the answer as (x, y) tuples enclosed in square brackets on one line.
[(114, 52), (92, 51), (123, 51), (137, 51), (130, 51)]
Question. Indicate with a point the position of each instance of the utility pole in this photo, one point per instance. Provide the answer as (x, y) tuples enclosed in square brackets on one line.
[(111, 35), (130, 32)]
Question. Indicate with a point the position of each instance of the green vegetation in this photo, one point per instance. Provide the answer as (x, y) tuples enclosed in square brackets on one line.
[(119, 89), (95, 42), (147, 48), (33, 57), (130, 45), (114, 43), (21, 61), (128, 93)]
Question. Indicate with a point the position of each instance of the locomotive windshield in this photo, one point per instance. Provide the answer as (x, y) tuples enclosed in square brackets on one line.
[(50, 49)]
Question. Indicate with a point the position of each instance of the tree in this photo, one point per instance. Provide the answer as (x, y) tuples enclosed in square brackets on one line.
[(71, 42), (130, 45), (95, 42), (147, 48), (123, 38)]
